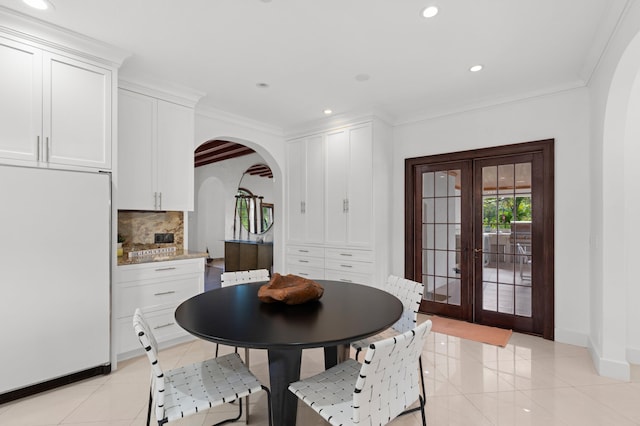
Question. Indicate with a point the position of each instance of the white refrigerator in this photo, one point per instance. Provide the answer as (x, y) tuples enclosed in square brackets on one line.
[(55, 233)]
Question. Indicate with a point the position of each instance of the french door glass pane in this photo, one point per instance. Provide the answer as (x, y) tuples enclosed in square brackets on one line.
[(506, 221), (441, 244)]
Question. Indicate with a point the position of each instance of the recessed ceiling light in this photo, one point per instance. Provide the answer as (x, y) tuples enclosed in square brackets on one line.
[(327, 111), (430, 12), (262, 85), (39, 4), (475, 68)]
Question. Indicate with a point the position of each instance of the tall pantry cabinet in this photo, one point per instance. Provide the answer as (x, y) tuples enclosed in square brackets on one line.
[(57, 134), (337, 195)]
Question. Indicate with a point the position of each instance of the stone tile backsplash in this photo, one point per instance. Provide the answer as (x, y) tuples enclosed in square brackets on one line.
[(138, 228)]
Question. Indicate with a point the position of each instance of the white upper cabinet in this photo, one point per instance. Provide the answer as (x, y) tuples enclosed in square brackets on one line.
[(305, 182), (155, 153), (175, 156), (349, 190), (55, 110), (20, 100), (136, 140), (77, 113)]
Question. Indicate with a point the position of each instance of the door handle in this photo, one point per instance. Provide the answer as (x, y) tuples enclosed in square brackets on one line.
[(478, 250)]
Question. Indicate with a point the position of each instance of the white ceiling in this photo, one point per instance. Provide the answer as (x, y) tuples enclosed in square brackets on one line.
[(310, 51)]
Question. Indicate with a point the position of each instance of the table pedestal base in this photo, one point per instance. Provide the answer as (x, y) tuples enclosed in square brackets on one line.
[(284, 368)]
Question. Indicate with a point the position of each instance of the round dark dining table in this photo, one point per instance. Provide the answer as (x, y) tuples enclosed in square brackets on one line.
[(234, 316)]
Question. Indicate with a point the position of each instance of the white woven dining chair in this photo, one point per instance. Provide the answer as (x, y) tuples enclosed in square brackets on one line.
[(190, 389), (241, 277), (410, 294), (374, 392)]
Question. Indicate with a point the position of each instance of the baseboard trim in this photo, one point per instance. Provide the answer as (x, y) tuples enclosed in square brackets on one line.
[(54, 383), (571, 337), (619, 370)]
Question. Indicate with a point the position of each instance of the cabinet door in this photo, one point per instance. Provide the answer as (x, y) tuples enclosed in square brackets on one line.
[(20, 101), (296, 191), (175, 156), (360, 187), (77, 113), (305, 159), (337, 163), (314, 198), (136, 151)]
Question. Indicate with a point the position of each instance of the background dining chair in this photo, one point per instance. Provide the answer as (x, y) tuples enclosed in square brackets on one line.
[(187, 390), (374, 392), (525, 259), (410, 294), (242, 277)]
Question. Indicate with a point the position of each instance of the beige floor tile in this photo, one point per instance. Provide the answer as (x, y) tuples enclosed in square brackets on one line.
[(623, 398), (574, 407), (575, 370), (111, 402), (49, 408), (512, 408), (453, 410), (525, 374), (530, 382)]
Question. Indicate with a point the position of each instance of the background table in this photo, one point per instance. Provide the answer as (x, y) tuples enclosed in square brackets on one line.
[(235, 316)]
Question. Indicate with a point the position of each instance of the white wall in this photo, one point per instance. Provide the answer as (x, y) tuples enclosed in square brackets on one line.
[(216, 185), (564, 117), (614, 231), (268, 142), (207, 221)]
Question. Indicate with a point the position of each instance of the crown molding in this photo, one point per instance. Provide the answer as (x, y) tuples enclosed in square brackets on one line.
[(218, 114), (46, 36), (488, 103), (166, 91), (337, 121)]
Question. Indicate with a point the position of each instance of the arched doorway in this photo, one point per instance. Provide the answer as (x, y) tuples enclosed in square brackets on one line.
[(615, 333), (220, 169)]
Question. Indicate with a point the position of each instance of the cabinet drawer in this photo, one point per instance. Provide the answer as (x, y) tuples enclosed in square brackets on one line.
[(349, 277), (305, 251), (157, 270), (153, 294), (162, 324), (305, 271), (348, 254), (314, 262), (348, 266)]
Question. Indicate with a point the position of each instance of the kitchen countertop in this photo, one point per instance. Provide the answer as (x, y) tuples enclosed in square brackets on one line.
[(161, 257)]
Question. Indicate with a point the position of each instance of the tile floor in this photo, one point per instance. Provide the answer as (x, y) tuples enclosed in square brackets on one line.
[(530, 382)]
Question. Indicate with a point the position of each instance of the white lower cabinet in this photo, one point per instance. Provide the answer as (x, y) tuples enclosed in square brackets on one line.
[(157, 289), (336, 264), (348, 265), (306, 261)]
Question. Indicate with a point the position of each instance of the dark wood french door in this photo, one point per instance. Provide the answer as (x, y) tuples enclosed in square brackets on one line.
[(479, 235)]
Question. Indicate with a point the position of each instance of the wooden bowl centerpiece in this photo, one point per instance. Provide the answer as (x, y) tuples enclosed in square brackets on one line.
[(290, 289)]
